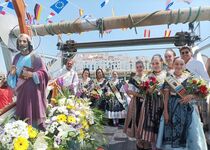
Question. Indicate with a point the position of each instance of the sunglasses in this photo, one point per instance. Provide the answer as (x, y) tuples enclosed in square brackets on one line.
[(186, 52)]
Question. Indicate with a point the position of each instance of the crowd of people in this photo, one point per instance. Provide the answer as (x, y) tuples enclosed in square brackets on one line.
[(158, 117)]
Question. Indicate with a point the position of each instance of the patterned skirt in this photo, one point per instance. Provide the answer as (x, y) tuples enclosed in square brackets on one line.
[(184, 130), (151, 113), (133, 116), (114, 109)]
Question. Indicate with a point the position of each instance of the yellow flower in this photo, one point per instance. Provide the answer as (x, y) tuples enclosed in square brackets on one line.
[(61, 118), (70, 107), (71, 119), (32, 132), (85, 124), (20, 143), (83, 113), (81, 134)]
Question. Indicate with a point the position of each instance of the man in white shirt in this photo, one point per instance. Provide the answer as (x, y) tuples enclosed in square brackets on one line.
[(198, 69), (67, 77)]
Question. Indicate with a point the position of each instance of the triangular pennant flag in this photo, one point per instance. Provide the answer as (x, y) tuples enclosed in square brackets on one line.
[(50, 21), (167, 33), (113, 12), (146, 33), (1, 8), (169, 5), (81, 12), (10, 5), (2, 12), (37, 11), (59, 5), (51, 15), (30, 19), (104, 3)]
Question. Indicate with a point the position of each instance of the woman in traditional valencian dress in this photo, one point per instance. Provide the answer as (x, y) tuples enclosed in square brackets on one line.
[(117, 104), (152, 107), (85, 84), (169, 59), (99, 90), (181, 127), (134, 108)]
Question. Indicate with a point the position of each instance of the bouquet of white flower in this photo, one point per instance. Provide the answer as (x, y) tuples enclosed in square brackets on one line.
[(17, 135)]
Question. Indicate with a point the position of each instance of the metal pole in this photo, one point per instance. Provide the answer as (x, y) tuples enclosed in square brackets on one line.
[(120, 43)]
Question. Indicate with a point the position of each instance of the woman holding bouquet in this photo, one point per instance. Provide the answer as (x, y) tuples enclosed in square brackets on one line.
[(152, 108), (99, 90), (181, 127), (85, 84), (137, 98)]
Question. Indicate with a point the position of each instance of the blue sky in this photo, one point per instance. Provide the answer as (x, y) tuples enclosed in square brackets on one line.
[(122, 8)]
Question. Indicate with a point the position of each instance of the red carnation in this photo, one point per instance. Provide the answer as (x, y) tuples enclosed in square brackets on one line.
[(146, 84), (203, 89), (153, 79)]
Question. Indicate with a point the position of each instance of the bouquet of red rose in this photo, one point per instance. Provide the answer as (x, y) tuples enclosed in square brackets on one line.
[(149, 85), (198, 87)]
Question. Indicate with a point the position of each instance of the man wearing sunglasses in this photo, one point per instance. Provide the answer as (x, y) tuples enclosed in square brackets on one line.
[(198, 69)]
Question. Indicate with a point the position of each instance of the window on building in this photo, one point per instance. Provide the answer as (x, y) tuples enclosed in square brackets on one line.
[(131, 66), (112, 66)]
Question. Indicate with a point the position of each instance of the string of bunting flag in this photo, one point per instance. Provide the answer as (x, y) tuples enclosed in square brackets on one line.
[(59, 5)]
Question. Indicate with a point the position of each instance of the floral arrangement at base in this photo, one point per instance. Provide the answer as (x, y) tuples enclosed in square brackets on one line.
[(198, 87), (72, 124), (17, 135)]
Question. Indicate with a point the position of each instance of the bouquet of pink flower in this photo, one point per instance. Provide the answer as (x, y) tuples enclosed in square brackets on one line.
[(198, 87)]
